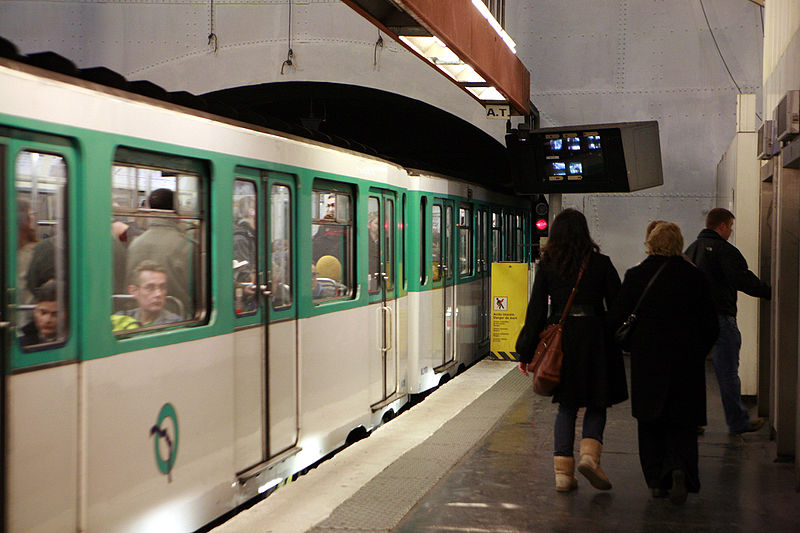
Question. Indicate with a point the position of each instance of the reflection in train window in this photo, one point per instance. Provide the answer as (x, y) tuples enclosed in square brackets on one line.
[(436, 243), (373, 244), (245, 247), (42, 251), (423, 224), (280, 225), (157, 224), (465, 241), (497, 232), (331, 243)]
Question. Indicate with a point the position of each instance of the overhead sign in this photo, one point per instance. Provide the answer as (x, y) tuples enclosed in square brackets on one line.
[(623, 157), (498, 111)]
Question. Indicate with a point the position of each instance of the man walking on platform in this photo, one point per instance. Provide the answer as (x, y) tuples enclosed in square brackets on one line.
[(726, 269)]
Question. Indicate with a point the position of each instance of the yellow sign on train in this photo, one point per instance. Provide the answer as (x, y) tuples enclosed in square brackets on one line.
[(509, 304)]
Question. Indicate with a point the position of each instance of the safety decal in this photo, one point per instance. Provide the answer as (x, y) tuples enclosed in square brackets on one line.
[(161, 431), (504, 356)]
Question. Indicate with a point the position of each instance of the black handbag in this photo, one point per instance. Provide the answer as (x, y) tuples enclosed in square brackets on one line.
[(623, 334)]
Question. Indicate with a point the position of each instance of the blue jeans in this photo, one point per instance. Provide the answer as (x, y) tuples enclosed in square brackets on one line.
[(594, 422), (725, 357)]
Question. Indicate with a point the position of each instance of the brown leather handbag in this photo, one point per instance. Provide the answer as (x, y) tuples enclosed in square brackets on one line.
[(546, 363)]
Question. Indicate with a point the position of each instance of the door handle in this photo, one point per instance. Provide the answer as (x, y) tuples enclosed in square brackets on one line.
[(388, 327), (265, 290)]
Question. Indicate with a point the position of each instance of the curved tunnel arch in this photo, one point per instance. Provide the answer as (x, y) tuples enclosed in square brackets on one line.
[(407, 131)]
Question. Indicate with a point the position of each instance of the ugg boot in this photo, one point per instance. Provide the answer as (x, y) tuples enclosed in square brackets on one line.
[(565, 473), (589, 465)]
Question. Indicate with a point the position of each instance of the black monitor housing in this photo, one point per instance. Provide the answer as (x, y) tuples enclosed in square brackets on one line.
[(623, 157)]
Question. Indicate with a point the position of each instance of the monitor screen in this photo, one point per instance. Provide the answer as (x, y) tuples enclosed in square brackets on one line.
[(621, 157)]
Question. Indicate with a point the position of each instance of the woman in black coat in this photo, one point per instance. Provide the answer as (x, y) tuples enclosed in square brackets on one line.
[(676, 327), (592, 372)]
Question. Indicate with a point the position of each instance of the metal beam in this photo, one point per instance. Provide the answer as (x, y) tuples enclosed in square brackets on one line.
[(464, 30)]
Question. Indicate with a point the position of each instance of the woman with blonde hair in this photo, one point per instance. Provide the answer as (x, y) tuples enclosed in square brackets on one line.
[(675, 329), (592, 372)]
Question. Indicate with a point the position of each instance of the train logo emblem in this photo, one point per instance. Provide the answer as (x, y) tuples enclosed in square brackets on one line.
[(169, 448), (501, 303)]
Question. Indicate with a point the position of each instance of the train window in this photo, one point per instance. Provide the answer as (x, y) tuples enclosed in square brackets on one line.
[(373, 246), (389, 238), (331, 244), (423, 225), (508, 249), (245, 256), (497, 232), (42, 251), (403, 258), (482, 241), (465, 241), (448, 232), (158, 217), (281, 244), (436, 248)]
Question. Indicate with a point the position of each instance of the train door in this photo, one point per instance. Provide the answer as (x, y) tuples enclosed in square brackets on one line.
[(483, 274), (265, 347), (40, 397), (443, 282), (382, 265)]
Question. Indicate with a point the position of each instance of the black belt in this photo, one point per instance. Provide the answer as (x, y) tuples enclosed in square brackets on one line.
[(578, 310)]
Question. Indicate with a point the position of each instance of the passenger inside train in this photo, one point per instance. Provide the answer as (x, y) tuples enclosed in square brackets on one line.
[(244, 253), (148, 287), (43, 328)]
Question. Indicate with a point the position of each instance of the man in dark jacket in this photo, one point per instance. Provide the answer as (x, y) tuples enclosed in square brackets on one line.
[(727, 271)]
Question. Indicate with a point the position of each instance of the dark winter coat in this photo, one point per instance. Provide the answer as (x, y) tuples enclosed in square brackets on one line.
[(726, 270), (592, 372), (676, 328)]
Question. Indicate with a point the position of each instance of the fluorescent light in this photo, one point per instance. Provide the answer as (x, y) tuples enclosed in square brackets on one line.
[(444, 59), (483, 10), (487, 93)]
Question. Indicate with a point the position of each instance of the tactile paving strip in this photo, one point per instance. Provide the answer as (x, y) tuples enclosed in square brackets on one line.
[(383, 502)]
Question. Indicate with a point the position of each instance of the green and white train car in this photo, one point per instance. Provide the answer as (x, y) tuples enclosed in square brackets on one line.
[(164, 363)]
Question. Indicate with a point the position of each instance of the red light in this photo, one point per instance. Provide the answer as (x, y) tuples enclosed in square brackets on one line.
[(541, 224)]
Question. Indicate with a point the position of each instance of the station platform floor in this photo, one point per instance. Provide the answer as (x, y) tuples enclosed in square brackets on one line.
[(476, 457)]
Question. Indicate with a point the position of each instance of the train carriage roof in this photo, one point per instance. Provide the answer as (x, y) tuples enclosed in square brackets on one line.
[(403, 130)]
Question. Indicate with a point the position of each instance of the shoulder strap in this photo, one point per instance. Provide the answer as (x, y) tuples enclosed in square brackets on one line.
[(574, 290), (649, 284)]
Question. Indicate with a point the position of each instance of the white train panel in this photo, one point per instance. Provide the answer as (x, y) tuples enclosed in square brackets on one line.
[(335, 370), (283, 395), (249, 394), (42, 450), (127, 398)]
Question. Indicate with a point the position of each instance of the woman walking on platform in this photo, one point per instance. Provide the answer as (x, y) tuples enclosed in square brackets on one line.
[(676, 327), (592, 372)]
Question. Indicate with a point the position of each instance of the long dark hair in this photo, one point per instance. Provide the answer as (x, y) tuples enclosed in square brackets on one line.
[(568, 244)]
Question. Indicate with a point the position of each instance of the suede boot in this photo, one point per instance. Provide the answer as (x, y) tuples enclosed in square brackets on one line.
[(589, 465), (565, 473)]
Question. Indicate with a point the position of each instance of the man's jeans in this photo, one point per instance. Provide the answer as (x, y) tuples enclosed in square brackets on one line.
[(725, 357)]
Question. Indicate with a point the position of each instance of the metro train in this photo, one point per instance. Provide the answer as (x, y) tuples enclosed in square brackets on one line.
[(194, 309)]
